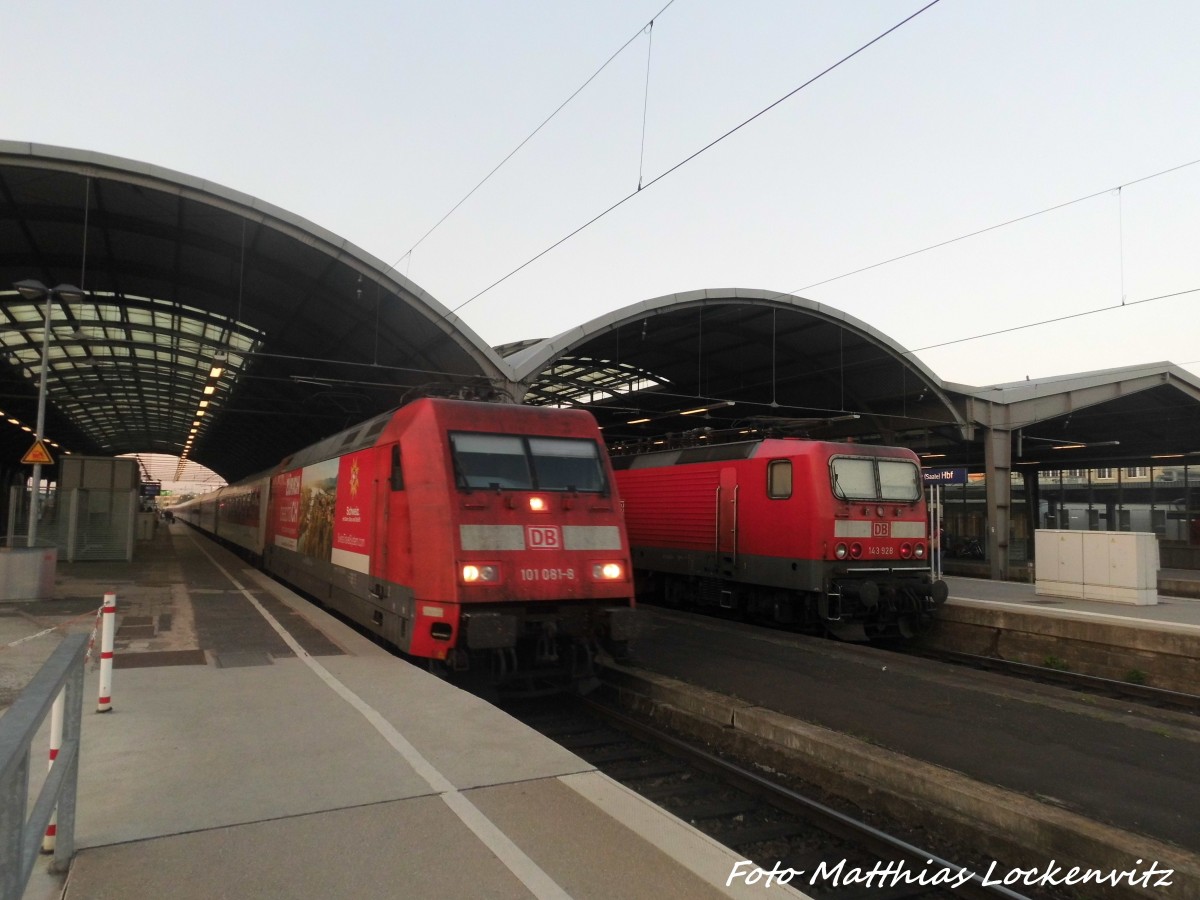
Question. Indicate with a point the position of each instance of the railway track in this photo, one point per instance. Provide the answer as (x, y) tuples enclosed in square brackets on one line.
[(780, 833), (1146, 695)]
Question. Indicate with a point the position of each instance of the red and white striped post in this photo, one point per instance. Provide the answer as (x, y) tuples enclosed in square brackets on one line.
[(56, 733), (107, 633)]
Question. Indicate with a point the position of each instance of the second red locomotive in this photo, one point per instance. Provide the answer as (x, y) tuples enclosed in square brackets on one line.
[(473, 535), (815, 535)]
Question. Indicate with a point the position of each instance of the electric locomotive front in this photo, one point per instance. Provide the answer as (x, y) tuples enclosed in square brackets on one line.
[(878, 577), (477, 536), (808, 534), (541, 559)]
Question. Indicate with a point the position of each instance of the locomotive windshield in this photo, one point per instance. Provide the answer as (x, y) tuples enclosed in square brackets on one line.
[(860, 478), (513, 462)]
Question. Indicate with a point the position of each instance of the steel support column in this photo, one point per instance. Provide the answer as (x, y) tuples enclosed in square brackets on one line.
[(997, 455)]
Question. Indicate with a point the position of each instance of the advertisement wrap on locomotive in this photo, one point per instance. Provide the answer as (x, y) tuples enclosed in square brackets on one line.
[(482, 538), (818, 536)]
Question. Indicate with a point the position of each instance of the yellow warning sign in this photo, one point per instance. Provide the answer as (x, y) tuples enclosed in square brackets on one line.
[(37, 454)]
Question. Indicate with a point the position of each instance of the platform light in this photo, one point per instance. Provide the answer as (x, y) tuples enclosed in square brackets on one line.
[(637, 421), (703, 409)]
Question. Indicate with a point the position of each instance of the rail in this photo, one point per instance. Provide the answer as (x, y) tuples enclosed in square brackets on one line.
[(21, 836)]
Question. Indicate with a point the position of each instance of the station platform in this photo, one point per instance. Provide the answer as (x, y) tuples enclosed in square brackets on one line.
[(259, 748), (1177, 604)]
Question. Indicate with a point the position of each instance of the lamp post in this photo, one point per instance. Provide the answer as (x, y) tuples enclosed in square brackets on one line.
[(34, 291)]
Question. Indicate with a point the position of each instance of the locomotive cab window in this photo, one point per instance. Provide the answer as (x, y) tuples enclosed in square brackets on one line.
[(490, 461), (566, 464), (861, 478), (779, 479), (899, 480), (509, 462)]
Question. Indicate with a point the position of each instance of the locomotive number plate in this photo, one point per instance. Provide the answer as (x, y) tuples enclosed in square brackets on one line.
[(881, 551), (547, 574)]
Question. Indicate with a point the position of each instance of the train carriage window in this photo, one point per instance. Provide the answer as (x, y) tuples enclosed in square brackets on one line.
[(779, 479), (899, 480), (853, 479), (567, 464), (490, 461)]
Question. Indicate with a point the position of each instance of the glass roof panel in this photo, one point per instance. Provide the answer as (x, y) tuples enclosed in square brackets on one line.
[(128, 369), (579, 381)]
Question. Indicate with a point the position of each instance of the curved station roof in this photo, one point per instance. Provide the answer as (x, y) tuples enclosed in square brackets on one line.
[(189, 319), (180, 278), (707, 364)]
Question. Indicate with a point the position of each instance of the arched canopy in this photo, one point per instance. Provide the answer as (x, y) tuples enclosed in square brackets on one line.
[(737, 359), (180, 276)]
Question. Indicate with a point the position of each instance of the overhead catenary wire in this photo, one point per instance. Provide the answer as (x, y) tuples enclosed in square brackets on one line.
[(683, 162), (645, 101), (643, 30), (1124, 304), (999, 225)]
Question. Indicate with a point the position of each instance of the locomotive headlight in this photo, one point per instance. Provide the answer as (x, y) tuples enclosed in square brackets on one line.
[(840, 551), (538, 504), (609, 571), (480, 573), (919, 551)]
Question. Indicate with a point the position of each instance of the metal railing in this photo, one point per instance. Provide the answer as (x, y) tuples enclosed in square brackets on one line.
[(21, 835)]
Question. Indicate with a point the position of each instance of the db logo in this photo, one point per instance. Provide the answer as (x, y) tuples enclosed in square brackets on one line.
[(543, 537), (879, 529)]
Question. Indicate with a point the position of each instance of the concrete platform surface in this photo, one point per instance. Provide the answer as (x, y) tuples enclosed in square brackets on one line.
[(1170, 613), (292, 757)]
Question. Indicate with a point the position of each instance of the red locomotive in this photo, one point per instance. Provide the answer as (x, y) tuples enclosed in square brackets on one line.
[(477, 536), (809, 534)]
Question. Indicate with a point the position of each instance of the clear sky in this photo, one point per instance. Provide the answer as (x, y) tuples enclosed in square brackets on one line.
[(373, 119)]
